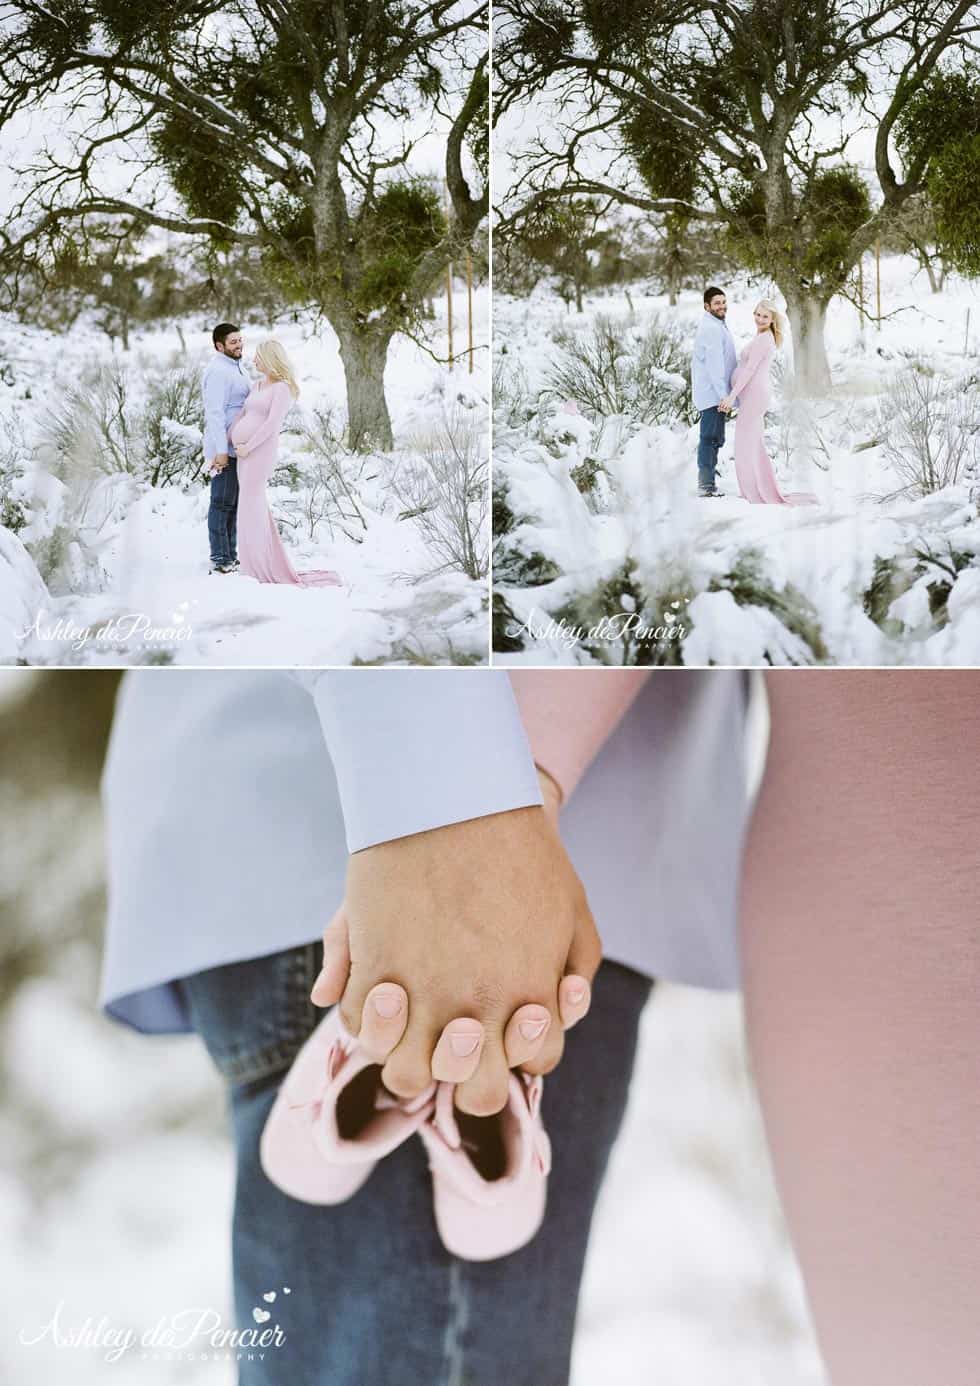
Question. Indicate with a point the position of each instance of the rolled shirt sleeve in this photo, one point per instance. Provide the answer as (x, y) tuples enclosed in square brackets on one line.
[(417, 749)]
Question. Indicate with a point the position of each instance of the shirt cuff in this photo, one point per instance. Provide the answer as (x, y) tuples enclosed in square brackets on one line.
[(417, 749)]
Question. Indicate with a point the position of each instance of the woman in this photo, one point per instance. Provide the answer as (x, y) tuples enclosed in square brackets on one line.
[(255, 434), (750, 384)]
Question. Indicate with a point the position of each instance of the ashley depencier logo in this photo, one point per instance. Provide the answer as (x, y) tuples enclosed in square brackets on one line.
[(131, 628), (189, 1333)]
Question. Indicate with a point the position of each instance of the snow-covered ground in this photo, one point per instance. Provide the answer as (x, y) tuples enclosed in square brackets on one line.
[(116, 1186), (126, 563), (867, 576)]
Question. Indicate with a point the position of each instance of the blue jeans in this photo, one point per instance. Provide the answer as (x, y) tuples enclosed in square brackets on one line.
[(709, 444), (375, 1299), (223, 513)]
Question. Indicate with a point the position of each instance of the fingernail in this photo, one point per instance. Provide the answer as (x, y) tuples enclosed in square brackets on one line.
[(387, 1004), (576, 993), (316, 985), (463, 1045), (531, 1029)]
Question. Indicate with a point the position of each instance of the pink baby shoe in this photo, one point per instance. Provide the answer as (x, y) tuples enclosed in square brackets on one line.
[(333, 1119), (489, 1174)]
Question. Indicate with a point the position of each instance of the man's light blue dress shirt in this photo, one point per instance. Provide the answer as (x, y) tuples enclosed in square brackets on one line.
[(224, 388), (713, 362)]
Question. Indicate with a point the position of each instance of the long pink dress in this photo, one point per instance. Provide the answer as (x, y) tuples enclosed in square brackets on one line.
[(260, 548), (750, 382)]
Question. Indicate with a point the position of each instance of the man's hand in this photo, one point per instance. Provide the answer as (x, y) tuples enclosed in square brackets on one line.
[(220, 462), (461, 952)]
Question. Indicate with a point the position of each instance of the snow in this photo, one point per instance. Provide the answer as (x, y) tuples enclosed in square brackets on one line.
[(22, 591), (133, 558), (819, 561)]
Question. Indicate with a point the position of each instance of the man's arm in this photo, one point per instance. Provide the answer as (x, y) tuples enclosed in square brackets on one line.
[(715, 364), (461, 902), (214, 394)]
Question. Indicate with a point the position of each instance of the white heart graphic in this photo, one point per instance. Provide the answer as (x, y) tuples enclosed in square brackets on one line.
[(286, 1290), (270, 1297), (261, 1315)]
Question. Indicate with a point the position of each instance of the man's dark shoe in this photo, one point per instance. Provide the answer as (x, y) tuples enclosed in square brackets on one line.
[(222, 568), (709, 491)]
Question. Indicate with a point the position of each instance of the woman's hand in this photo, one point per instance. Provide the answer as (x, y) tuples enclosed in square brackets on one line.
[(464, 951)]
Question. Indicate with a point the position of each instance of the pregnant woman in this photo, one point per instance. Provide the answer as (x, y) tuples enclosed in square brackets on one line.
[(255, 434), (750, 385)]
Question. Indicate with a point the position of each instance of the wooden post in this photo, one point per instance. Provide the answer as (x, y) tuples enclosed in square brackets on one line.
[(449, 310), (861, 296), (878, 282), (469, 306), (449, 283)]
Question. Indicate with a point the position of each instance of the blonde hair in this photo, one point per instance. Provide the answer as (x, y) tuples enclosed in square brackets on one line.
[(778, 324), (271, 358)]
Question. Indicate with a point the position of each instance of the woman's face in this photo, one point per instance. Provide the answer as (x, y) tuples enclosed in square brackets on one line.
[(763, 319)]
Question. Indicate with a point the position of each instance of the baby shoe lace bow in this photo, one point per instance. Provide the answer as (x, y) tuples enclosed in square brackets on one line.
[(340, 1051), (444, 1122)]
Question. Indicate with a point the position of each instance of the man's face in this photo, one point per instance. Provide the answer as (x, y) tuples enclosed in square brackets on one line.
[(717, 307), (233, 346)]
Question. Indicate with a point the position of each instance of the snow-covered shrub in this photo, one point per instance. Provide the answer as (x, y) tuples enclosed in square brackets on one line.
[(144, 421), (92, 426), (930, 430), (171, 427), (616, 616), (751, 587), (512, 401), (442, 487), (13, 456), (615, 367), (329, 479)]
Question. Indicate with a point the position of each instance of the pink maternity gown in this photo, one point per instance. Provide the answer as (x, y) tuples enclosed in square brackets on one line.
[(756, 478), (259, 547)]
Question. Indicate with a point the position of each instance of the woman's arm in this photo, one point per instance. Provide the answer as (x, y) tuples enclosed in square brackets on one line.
[(569, 719), (282, 398), (861, 951)]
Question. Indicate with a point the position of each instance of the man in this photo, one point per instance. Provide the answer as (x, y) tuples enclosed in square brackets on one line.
[(712, 366), (224, 387)]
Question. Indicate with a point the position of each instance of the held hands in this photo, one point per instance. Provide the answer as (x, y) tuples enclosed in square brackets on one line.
[(463, 952), (725, 405), (220, 462)]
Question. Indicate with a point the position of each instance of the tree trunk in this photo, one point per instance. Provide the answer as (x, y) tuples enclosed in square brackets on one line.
[(807, 319), (364, 355)]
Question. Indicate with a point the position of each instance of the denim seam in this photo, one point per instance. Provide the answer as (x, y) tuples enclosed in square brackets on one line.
[(459, 1313)]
